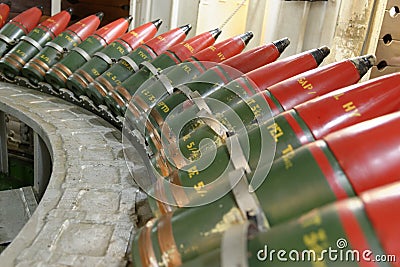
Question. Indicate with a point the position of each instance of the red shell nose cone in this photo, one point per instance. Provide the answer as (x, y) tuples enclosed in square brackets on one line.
[(86, 26), (113, 30), (382, 206), (57, 23), (29, 18), (369, 152)]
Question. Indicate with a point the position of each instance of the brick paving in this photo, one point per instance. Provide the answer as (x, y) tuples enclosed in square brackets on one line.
[(87, 214)]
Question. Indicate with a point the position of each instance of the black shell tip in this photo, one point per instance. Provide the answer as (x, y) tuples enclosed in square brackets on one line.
[(186, 28), (157, 23), (129, 18), (70, 10), (364, 63), (282, 44), (247, 36), (100, 15), (216, 33), (320, 54), (325, 50)]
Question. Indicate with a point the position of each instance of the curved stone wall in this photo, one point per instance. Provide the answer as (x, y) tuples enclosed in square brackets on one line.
[(87, 214)]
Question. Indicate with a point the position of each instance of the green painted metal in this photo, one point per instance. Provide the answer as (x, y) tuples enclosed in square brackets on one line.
[(314, 233), (48, 56), (73, 61), (297, 183), (13, 32), (119, 72), (24, 51), (133, 83)]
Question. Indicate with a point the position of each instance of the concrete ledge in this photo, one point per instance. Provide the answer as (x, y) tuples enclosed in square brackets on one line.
[(87, 214)]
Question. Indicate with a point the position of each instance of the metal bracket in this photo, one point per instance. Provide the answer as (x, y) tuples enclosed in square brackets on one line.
[(163, 79)]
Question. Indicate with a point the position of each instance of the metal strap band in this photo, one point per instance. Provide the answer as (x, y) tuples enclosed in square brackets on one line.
[(131, 63), (204, 110), (56, 47), (238, 159), (141, 140), (32, 42), (247, 202), (201, 104), (82, 52), (185, 90), (234, 246), (7, 40), (104, 57), (194, 97), (166, 83), (151, 68), (213, 123)]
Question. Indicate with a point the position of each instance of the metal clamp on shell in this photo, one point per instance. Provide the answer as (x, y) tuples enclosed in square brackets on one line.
[(234, 246), (32, 42), (151, 68), (194, 97), (207, 117), (247, 202), (104, 57), (57, 47), (130, 62), (163, 79), (8, 40), (82, 52)]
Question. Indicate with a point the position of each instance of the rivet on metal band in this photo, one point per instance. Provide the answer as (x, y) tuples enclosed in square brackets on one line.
[(166, 83), (82, 52), (7, 39), (32, 42), (57, 47), (130, 62), (104, 57), (234, 246), (151, 68)]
